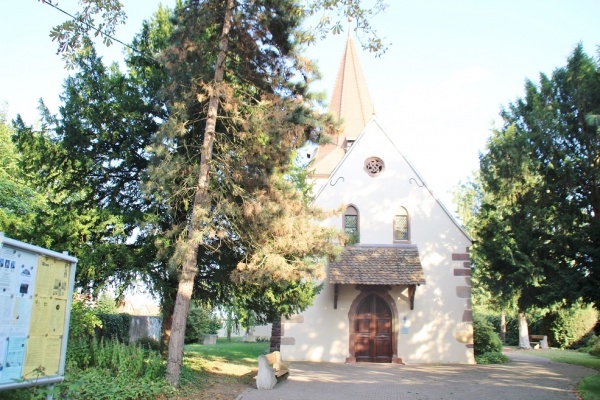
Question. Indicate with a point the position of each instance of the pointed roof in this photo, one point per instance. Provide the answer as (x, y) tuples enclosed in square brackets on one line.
[(350, 101), (372, 125), (351, 104)]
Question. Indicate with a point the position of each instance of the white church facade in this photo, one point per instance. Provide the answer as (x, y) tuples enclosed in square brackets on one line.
[(400, 292)]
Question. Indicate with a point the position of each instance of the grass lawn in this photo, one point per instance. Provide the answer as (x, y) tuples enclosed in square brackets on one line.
[(589, 387), (220, 371)]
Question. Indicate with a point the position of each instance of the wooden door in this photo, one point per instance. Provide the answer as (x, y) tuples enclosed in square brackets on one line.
[(373, 331)]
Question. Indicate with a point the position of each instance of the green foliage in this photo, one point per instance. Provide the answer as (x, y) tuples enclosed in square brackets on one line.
[(74, 35), (571, 326), (593, 346), (97, 384), (536, 227), (90, 160), (333, 16), (200, 321), (492, 357), (148, 343), (352, 238), (113, 370), (485, 339), (589, 387), (277, 299), (236, 351), (19, 201), (83, 322), (106, 304), (78, 352), (115, 326)]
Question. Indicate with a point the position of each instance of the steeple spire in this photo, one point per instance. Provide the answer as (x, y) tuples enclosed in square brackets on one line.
[(350, 101), (351, 104)]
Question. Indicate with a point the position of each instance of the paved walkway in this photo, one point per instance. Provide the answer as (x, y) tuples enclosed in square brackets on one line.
[(525, 377)]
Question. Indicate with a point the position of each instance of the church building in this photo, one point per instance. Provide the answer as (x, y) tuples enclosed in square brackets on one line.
[(400, 292)]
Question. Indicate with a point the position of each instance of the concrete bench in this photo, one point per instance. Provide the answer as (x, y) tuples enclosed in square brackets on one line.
[(538, 341), (270, 370)]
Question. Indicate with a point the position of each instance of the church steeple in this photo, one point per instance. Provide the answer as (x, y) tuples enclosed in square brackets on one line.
[(350, 101), (351, 104)]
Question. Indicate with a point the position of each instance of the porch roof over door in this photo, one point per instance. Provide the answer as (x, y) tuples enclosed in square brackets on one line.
[(378, 265)]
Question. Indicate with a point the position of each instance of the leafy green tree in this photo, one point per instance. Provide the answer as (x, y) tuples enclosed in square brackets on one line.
[(537, 223), (201, 321), (19, 201), (92, 159)]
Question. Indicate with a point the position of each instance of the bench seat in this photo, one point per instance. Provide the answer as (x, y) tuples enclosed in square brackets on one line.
[(538, 341), (270, 370)]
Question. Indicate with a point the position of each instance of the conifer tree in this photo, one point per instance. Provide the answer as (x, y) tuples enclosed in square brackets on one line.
[(238, 106), (537, 227), (242, 127)]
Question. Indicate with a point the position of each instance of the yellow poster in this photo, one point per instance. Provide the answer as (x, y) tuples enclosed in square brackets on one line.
[(52, 278), (42, 356), (52, 354), (58, 309), (41, 316), (34, 357)]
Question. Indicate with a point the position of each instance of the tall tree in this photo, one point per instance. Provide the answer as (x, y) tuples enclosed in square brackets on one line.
[(247, 124), (19, 201), (537, 226), (93, 158), (254, 41)]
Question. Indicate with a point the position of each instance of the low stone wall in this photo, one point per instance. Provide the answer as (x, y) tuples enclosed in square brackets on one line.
[(143, 326)]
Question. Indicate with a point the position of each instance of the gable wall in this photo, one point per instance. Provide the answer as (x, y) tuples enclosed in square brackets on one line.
[(439, 325)]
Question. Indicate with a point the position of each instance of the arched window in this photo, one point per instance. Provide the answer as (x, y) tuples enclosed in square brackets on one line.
[(401, 226), (351, 225)]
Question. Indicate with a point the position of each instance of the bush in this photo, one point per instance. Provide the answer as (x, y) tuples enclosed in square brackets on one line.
[(571, 326), (148, 343), (200, 321), (485, 339), (492, 357), (115, 326), (593, 345), (112, 370), (97, 384), (83, 321)]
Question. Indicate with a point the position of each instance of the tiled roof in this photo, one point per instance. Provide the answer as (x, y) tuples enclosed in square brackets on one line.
[(378, 265)]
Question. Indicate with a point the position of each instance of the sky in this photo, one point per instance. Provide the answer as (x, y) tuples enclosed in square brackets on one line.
[(437, 90)]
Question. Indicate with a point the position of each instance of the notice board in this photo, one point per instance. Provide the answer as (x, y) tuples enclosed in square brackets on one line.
[(36, 287)]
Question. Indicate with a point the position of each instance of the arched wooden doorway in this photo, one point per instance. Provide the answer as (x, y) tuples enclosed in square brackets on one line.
[(373, 330)]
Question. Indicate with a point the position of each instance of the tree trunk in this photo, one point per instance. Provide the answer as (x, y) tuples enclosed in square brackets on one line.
[(229, 323), (275, 335), (523, 332), (189, 267), (165, 336), (503, 327)]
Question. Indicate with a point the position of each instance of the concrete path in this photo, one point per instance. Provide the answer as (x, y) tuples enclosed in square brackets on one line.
[(525, 377)]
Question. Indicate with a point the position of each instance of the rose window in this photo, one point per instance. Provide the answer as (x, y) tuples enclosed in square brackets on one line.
[(374, 166)]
